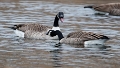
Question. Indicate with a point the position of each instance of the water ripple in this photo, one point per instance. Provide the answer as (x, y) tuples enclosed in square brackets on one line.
[(28, 53)]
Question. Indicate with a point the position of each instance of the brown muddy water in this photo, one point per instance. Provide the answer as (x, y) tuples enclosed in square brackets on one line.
[(27, 53)]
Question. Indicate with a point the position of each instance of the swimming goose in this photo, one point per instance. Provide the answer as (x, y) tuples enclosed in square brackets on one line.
[(37, 31), (79, 38), (108, 9)]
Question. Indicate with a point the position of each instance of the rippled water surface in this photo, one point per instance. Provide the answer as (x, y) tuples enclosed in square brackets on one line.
[(28, 53)]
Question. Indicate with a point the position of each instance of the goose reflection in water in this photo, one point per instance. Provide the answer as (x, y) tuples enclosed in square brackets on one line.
[(56, 56)]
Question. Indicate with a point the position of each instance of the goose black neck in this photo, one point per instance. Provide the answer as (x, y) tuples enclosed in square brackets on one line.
[(56, 22), (60, 35)]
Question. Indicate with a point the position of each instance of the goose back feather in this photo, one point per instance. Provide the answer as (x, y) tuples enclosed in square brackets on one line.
[(32, 27), (85, 35)]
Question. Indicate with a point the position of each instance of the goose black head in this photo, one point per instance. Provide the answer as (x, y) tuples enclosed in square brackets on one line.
[(60, 15)]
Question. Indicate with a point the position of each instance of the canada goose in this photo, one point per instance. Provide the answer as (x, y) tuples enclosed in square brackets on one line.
[(108, 9), (37, 31), (80, 38)]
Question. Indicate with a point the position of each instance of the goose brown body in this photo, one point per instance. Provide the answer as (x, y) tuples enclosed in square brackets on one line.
[(79, 37), (34, 31), (111, 8)]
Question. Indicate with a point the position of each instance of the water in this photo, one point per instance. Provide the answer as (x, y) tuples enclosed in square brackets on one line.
[(27, 53)]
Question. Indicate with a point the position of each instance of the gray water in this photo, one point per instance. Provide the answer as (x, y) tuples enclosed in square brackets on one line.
[(17, 52)]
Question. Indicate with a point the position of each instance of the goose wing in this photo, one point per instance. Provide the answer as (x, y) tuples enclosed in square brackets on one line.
[(86, 35)]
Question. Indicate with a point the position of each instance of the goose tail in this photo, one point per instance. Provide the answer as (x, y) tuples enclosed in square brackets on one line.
[(88, 6), (13, 27), (105, 37)]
